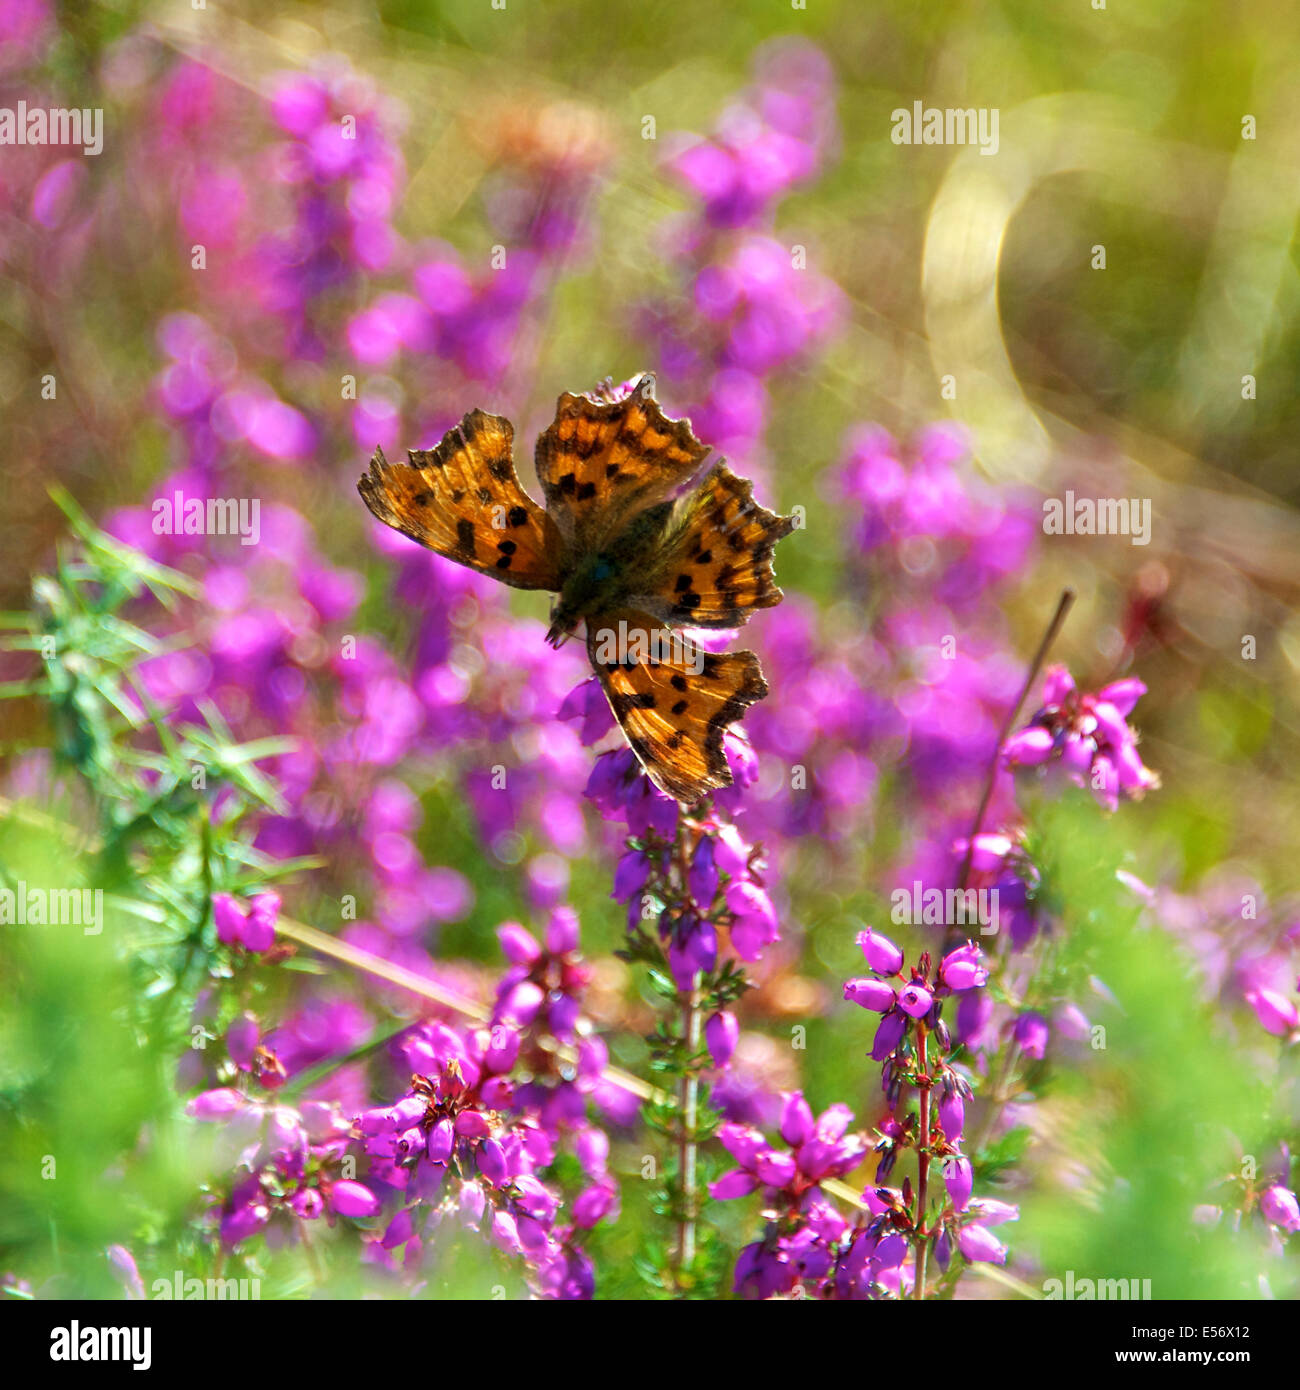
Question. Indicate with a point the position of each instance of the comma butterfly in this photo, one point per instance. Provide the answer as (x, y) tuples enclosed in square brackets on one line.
[(634, 542)]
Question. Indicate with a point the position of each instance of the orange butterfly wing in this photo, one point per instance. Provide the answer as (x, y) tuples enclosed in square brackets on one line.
[(600, 463), (715, 564), (464, 500), (672, 699)]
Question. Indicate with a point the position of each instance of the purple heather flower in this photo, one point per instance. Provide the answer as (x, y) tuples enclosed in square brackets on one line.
[(241, 1040), (879, 1200), (702, 880), (890, 1033), (731, 852), (630, 876), (1276, 1013), (881, 953), (308, 1204), (441, 1141), (502, 1050), (587, 703), (518, 944), (1058, 685), (721, 1033), (693, 949), (876, 995), (974, 1015), (563, 931), (243, 1221), (754, 923), (472, 1124), (959, 1178), (1122, 695), (732, 1184), (1029, 747), (762, 1272), (915, 1000), (775, 1169), (521, 1004), (988, 1211), (1278, 1204), (125, 1271), (259, 931), (594, 1203), (491, 1160), (229, 919), (742, 761), (797, 1123), (216, 1105), (1032, 1033), (1098, 748), (1071, 1022), (977, 1244), (254, 930), (952, 1114), (963, 968)]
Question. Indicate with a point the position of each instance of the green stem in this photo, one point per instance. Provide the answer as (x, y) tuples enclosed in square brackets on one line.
[(1062, 609), (922, 1165), (688, 1089)]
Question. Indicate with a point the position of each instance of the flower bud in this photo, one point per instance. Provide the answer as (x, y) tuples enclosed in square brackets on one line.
[(869, 994), (881, 953), (350, 1198)]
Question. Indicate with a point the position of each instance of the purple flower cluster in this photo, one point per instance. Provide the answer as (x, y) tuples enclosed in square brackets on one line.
[(928, 523), (755, 307), (769, 140), (1086, 738), (343, 175), (914, 1046), (724, 884), (287, 1161), (806, 1232), (252, 928), (443, 1153), (540, 1001)]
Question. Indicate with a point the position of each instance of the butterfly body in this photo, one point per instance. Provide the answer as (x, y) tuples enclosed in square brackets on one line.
[(605, 580), (633, 542)]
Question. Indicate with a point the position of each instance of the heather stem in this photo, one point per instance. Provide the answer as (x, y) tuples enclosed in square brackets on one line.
[(688, 1087), (922, 1163), (1062, 609), (688, 1102)]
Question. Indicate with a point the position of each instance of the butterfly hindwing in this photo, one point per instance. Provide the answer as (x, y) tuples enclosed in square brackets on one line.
[(464, 500), (715, 565), (601, 462), (672, 699)]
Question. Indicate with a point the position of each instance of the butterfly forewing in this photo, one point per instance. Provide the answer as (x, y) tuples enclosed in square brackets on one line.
[(672, 699), (463, 499), (715, 564), (600, 463)]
